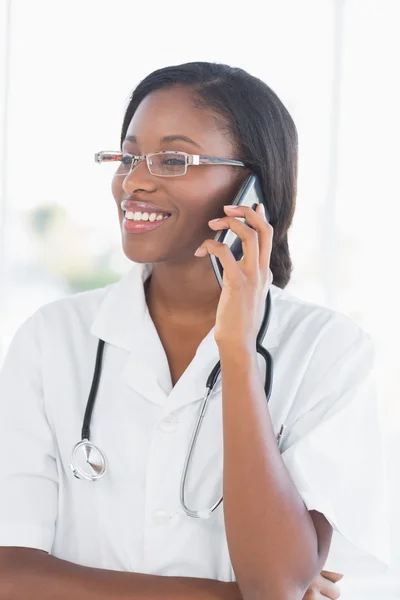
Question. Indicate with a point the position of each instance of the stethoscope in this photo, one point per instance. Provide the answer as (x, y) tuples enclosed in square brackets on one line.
[(89, 462)]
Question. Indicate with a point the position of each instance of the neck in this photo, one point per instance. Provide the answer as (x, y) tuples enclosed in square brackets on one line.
[(188, 293)]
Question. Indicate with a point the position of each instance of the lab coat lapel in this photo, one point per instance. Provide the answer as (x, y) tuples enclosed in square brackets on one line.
[(192, 384), (147, 370), (191, 387), (123, 321)]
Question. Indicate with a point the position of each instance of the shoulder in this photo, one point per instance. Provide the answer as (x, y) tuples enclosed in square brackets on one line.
[(316, 330), (323, 360), (67, 315), (81, 306)]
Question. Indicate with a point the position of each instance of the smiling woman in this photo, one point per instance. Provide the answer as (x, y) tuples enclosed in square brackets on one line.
[(192, 134)]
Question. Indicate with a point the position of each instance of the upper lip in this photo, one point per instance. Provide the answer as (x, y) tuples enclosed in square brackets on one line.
[(137, 206)]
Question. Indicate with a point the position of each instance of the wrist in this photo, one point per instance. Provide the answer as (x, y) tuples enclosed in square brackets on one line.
[(241, 353)]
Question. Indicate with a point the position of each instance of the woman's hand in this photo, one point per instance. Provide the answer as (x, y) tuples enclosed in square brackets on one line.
[(246, 282), (324, 586)]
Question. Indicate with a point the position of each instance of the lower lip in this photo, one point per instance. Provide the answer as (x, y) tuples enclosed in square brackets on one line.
[(141, 226)]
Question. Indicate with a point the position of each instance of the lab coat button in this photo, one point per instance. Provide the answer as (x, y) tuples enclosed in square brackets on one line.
[(169, 424), (161, 517)]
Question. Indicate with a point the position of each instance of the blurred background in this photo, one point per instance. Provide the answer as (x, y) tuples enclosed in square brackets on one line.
[(66, 72)]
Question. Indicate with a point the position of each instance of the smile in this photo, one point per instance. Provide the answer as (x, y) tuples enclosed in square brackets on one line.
[(145, 216), (141, 222)]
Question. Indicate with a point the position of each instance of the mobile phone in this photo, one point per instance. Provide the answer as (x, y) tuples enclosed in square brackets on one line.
[(249, 194)]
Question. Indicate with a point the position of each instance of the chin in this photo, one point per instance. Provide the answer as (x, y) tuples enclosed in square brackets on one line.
[(141, 252), (141, 256)]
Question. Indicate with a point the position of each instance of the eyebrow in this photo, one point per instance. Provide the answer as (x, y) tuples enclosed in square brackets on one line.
[(166, 139)]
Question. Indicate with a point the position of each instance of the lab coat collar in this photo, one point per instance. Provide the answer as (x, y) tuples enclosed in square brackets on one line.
[(123, 320), (123, 310)]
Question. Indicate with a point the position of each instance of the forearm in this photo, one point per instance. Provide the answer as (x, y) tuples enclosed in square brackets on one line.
[(271, 537), (26, 573)]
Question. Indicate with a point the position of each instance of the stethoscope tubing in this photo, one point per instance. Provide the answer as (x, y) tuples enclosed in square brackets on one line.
[(87, 446), (211, 381)]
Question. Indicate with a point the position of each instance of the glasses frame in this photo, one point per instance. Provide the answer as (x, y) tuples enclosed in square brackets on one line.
[(190, 160)]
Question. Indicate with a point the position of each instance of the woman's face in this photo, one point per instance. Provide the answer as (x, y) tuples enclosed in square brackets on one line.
[(191, 200)]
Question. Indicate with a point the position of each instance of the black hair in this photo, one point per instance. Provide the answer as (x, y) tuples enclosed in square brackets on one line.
[(261, 128)]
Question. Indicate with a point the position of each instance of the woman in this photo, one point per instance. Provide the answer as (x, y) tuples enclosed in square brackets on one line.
[(314, 502)]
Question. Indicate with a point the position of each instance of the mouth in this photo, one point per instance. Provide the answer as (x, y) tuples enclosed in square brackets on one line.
[(142, 216), (140, 222)]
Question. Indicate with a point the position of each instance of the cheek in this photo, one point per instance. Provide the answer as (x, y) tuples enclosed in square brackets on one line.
[(116, 189), (204, 194)]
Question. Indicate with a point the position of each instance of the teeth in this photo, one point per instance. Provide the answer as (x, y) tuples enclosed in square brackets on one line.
[(138, 216)]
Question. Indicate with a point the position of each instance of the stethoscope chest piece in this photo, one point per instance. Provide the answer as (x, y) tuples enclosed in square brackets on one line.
[(87, 461)]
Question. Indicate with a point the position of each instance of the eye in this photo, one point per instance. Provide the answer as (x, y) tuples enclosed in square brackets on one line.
[(127, 159), (173, 161)]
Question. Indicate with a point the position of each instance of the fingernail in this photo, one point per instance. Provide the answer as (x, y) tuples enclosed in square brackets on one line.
[(201, 251), (262, 208), (214, 220), (230, 207)]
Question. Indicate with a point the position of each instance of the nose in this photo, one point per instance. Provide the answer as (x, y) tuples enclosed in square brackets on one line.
[(139, 178)]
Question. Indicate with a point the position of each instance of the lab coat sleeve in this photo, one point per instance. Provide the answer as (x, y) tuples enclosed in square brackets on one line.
[(334, 450), (28, 478)]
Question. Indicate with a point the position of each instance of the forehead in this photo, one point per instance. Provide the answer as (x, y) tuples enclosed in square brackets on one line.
[(171, 111)]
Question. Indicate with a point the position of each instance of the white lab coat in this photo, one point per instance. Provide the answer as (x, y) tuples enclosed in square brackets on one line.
[(323, 391)]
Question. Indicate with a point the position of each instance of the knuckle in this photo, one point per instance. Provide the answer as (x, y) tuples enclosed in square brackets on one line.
[(252, 234), (265, 226), (234, 222), (265, 229), (225, 250)]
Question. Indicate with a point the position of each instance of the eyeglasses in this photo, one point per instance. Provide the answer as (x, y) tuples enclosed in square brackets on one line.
[(161, 164)]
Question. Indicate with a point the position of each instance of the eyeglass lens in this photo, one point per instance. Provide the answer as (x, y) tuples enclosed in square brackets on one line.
[(167, 164)]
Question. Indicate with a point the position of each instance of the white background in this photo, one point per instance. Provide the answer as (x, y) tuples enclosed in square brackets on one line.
[(66, 71)]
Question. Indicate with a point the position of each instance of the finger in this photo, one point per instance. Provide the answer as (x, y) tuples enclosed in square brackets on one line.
[(257, 221), (248, 236), (231, 268), (330, 589), (332, 576)]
